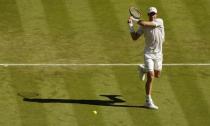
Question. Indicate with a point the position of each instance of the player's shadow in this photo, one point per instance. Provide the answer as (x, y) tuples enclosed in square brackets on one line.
[(113, 101)]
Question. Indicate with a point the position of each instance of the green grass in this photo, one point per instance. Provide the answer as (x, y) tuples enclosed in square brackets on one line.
[(95, 31)]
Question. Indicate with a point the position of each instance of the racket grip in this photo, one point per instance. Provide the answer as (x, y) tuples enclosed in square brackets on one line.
[(130, 23), (134, 19)]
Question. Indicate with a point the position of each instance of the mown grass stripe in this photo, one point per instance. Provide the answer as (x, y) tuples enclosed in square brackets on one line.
[(81, 45), (36, 35), (9, 105), (190, 96), (52, 88), (31, 114), (59, 20), (185, 37), (133, 92), (201, 33), (171, 111), (57, 17), (85, 46), (82, 96), (16, 32), (34, 10), (203, 79), (201, 23), (201, 14), (183, 100), (114, 31), (102, 12), (66, 9), (104, 81), (34, 32), (10, 21), (11, 32)]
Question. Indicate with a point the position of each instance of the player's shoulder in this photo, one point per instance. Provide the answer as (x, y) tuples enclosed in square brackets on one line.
[(159, 22), (159, 19)]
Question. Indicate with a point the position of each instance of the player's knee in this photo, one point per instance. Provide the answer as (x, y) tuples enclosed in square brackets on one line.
[(157, 74), (150, 76)]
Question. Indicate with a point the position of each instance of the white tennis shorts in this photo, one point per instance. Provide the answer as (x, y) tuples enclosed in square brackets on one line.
[(153, 62)]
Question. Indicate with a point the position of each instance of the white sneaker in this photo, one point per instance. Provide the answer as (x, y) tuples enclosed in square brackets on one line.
[(141, 72), (150, 105)]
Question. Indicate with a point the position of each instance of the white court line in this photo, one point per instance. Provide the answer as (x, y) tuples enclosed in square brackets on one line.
[(118, 64)]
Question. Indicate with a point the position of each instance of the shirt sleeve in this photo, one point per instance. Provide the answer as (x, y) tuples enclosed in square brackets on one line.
[(158, 22)]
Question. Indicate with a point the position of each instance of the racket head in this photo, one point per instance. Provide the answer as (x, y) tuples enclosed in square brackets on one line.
[(134, 12)]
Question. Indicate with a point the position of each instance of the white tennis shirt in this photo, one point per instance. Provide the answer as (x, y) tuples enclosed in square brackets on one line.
[(154, 36)]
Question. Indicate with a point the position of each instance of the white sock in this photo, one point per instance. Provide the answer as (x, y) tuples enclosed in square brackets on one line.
[(148, 98)]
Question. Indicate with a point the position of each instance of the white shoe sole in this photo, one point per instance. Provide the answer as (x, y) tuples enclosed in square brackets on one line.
[(151, 106)]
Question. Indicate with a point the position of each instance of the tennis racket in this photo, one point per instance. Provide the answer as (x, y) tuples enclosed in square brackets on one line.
[(134, 12)]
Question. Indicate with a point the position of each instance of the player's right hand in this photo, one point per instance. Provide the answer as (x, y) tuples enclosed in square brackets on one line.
[(130, 22), (134, 19)]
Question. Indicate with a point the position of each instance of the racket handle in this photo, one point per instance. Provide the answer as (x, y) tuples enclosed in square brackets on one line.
[(134, 19)]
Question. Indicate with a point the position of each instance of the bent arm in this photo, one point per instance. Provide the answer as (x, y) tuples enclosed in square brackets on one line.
[(147, 23), (135, 35)]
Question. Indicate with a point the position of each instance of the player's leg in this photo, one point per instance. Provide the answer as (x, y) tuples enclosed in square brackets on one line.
[(148, 86), (154, 67), (157, 73), (142, 72), (158, 65), (149, 67)]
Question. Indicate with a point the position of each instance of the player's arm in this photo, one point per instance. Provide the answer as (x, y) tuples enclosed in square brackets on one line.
[(147, 23), (135, 35)]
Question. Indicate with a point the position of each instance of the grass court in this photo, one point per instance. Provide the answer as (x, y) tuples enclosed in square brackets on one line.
[(95, 32)]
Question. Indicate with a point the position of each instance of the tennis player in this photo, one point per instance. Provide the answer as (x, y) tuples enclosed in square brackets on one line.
[(154, 35)]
